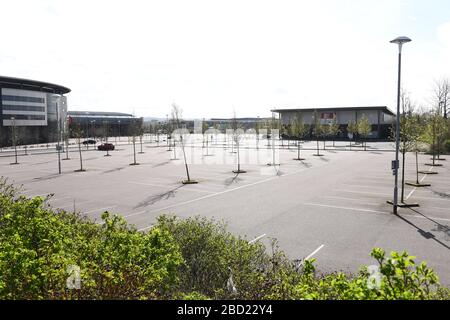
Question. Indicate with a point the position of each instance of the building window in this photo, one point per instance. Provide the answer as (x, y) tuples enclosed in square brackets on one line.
[(22, 99), (23, 117), (7, 107)]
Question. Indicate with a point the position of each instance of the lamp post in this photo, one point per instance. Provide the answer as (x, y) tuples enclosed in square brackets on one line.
[(395, 165), (119, 129), (14, 136), (58, 129)]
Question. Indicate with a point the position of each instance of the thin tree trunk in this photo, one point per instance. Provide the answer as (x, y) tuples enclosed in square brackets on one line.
[(417, 168), (185, 162), (134, 150), (239, 158), (403, 176), (81, 157)]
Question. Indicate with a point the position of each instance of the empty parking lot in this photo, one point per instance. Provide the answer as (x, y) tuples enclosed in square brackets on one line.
[(332, 208)]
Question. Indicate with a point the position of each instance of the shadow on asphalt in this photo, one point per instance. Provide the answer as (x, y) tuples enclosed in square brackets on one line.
[(158, 197), (161, 164), (426, 234), (232, 180)]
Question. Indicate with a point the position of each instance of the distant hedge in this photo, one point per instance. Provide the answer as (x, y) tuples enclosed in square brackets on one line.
[(194, 258)]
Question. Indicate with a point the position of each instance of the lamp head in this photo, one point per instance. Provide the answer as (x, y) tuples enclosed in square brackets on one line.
[(401, 40)]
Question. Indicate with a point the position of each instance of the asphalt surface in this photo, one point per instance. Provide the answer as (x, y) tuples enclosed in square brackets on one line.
[(332, 208)]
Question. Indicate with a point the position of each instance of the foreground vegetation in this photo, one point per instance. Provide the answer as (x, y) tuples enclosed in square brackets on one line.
[(177, 259)]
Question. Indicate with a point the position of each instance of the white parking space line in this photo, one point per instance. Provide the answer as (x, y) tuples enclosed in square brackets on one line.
[(134, 214), (151, 184), (146, 228), (257, 238), (72, 205), (374, 211), (99, 209), (352, 199), (344, 208), (415, 188), (223, 192), (314, 252), (362, 192)]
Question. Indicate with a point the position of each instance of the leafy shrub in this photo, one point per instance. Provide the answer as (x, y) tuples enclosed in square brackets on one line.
[(212, 255), (37, 245)]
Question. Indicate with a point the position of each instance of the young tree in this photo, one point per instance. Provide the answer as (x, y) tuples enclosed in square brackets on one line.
[(135, 129), (364, 129), (442, 96), (78, 134), (318, 131), (409, 136), (257, 128), (412, 130), (204, 128), (177, 113), (434, 132), (333, 129), (274, 126), (173, 139), (237, 137), (140, 132), (14, 138), (105, 136), (352, 129), (299, 129), (66, 137)]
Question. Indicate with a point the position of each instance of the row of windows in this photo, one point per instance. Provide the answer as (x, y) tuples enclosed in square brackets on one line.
[(22, 108), (22, 99), (23, 117)]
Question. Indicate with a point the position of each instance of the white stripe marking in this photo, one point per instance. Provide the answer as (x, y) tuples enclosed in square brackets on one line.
[(415, 188), (314, 252), (257, 238), (143, 229), (374, 211), (134, 214), (99, 209), (223, 192)]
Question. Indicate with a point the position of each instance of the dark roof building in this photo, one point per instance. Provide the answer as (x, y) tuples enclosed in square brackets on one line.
[(380, 118), (100, 123)]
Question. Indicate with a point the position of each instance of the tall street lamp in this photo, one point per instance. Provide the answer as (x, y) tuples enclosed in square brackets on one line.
[(119, 129), (58, 130), (395, 165)]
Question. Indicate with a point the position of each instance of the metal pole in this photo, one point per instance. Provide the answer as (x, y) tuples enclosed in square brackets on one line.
[(397, 130), (59, 135)]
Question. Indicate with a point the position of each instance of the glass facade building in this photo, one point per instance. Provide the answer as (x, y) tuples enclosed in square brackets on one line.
[(33, 108)]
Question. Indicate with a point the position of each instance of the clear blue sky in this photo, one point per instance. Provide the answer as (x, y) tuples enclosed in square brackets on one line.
[(211, 56)]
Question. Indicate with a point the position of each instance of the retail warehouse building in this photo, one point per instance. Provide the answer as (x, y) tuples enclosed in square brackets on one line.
[(380, 118), (99, 123), (31, 109)]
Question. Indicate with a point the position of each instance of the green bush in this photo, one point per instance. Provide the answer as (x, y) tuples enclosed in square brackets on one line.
[(212, 255), (37, 246), (189, 259)]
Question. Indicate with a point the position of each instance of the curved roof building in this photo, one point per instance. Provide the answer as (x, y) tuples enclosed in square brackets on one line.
[(33, 107)]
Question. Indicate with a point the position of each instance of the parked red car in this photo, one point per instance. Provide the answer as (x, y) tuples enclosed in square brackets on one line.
[(106, 147)]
